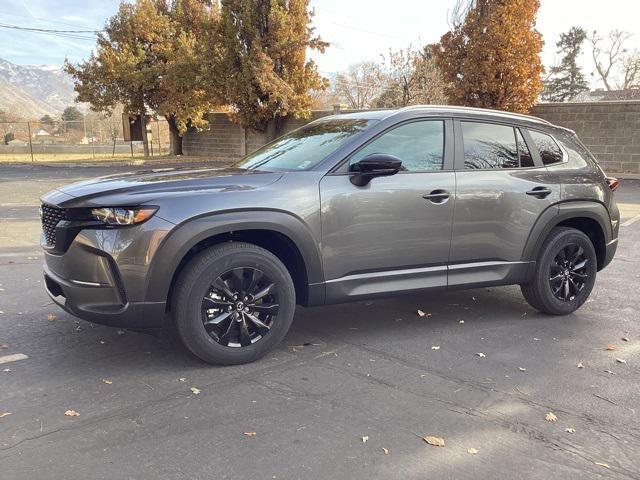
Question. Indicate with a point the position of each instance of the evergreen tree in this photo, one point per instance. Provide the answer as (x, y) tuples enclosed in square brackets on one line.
[(566, 80)]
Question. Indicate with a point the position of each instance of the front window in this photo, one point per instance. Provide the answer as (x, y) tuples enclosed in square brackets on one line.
[(305, 147)]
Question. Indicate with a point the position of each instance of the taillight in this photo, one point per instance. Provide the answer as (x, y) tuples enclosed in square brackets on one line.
[(613, 183)]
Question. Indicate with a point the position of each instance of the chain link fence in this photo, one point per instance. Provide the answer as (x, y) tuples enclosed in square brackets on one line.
[(86, 139)]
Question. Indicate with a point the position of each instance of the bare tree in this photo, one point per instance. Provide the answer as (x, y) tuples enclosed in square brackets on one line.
[(413, 78), (618, 67), (360, 85)]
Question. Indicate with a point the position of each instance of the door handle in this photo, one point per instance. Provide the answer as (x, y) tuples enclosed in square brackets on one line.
[(540, 192), (437, 196)]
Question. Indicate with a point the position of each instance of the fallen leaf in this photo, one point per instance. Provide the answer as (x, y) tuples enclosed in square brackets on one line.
[(385, 450), (195, 391), (6, 370), (461, 321), (435, 347), (4, 414), (102, 342), (51, 317), (3, 346), (550, 417), (423, 314), (611, 347), (435, 441), (580, 365), (365, 439), (249, 434), (71, 413), (472, 451), (108, 382), (625, 339), (182, 379), (610, 372), (522, 369), (481, 355), (120, 332), (570, 430), (621, 360), (602, 465)]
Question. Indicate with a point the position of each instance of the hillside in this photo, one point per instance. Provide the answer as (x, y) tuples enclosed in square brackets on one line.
[(31, 91)]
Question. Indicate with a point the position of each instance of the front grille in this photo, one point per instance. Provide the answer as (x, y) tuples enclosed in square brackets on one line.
[(51, 216)]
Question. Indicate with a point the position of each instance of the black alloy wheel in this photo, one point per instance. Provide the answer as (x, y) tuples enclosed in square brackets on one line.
[(241, 307), (568, 273)]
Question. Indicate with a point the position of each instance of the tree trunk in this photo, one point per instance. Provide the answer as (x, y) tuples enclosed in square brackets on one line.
[(274, 128), (174, 137)]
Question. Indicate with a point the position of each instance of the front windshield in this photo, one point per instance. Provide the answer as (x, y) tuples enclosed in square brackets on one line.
[(305, 147)]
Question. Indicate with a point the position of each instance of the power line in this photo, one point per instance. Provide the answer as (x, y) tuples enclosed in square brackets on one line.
[(46, 30), (40, 19)]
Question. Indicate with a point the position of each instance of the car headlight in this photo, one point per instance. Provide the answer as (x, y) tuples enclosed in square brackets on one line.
[(123, 215)]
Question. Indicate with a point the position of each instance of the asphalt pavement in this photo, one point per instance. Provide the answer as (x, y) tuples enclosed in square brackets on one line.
[(349, 394)]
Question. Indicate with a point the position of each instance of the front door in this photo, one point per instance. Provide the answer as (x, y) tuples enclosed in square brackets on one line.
[(502, 187), (394, 233)]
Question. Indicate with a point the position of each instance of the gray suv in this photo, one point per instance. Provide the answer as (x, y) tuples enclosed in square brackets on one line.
[(348, 207)]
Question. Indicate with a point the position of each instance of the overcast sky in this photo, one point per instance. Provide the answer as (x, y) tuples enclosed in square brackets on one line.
[(357, 29)]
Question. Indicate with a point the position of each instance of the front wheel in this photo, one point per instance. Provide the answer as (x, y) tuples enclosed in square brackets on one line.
[(233, 303), (565, 273)]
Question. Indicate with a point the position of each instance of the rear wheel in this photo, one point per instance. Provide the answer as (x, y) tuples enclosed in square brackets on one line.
[(233, 303), (565, 272)]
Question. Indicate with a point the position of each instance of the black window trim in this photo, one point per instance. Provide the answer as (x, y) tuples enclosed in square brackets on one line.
[(459, 149), (342, 167), (565, 155)]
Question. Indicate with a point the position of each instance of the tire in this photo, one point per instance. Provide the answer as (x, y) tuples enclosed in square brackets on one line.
[(549, 295), (209, 279)]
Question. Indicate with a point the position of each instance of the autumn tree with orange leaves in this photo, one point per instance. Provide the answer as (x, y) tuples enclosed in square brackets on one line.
[(491, 56)]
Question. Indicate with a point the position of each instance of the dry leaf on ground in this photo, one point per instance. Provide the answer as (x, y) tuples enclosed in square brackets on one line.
[(3, 346), (182, 379), (51, 317), (550, 417), (580, 365), (195, 391), (435, 347), (472, 451), (249, 434), (365, 439), (461, 321), (610, 372), (600, 464), (108, 382), (621, 360), (423, 314), (611, 347), (625, 339), (481, 355), (385, 450), (522, 369), (4, 414), (71, 413), (570, 430), (435, 441)]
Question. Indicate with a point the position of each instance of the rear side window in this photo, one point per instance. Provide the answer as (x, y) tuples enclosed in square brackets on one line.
[(489, 146), (547, 147), (420, 145), (526, 160)]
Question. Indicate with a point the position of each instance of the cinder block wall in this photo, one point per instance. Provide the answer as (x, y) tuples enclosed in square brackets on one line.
[(611, 130)]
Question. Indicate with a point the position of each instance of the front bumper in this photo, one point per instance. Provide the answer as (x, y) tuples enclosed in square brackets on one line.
[(101, 277)]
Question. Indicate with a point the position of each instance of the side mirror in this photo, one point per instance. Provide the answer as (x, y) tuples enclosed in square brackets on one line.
[(374, 165)]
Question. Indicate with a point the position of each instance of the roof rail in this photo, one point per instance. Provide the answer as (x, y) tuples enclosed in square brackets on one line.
[(487, 111)]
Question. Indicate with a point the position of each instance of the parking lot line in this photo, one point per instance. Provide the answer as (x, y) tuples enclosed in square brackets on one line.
[(13, 358), (631, 221)]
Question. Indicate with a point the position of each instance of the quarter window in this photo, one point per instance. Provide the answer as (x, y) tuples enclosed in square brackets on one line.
[(547, 147), (420, 145), (489, 146)]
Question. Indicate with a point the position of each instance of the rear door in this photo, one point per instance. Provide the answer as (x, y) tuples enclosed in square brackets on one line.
[(502, 187), (394, 233)]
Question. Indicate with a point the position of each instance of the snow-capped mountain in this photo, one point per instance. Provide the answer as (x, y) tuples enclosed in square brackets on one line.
[(31, 91)]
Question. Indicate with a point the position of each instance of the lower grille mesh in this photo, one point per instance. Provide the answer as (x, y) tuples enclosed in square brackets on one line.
[(51, 216)]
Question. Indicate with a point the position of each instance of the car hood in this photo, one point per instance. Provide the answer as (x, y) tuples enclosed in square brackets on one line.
[(142, 186)]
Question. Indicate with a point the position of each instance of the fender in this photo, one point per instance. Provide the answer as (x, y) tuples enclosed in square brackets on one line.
[(188, 234), (564, 211)]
